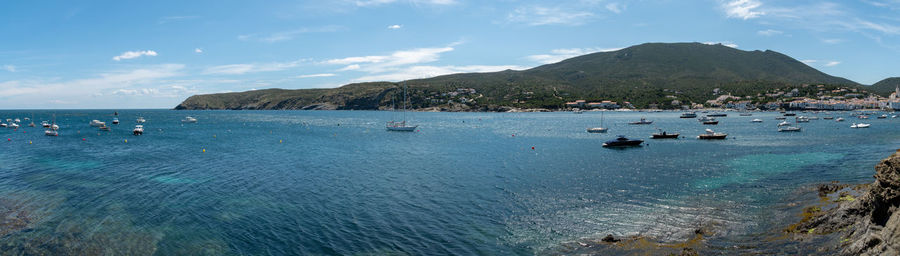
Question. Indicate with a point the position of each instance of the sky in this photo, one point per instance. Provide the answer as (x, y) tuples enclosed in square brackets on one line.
[(154, 54)]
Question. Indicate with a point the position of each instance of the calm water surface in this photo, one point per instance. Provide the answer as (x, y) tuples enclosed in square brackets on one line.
[(334, 182)]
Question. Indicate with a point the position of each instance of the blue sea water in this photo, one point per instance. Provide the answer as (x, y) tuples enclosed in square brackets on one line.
[(335, 182)]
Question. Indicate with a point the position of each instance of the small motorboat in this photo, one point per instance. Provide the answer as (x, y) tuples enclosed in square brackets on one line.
[(31, 124), (828, 117), (54, 127), (893, 116), (45, 124), (860, 125), (745, 114), (711, 135), (621, 141), (189, 120), (688, 115), (664, 135), (802, 119), (839, 119), (51, 133), (757, 120), (4, 125), (105, 128), (17, 120), (717, 114), (863, 117), (642, 121), (597, 130), (138, 130), (14, 125), (141, 120), (790, 114), (789, 129), (784, 123), (115, 121), (97, 123), (882, 117), (711, 122)]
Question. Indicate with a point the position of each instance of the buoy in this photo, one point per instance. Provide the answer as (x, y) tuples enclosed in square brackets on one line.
[(83, 139), (126, 141), (8, 139), (514, 135), (279, 141), (204, 150), (214, 135), (29, 142), (532, 148)]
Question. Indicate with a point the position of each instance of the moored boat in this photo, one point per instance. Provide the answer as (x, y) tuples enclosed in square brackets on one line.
[(717, 114), (189, 119), (138, 130), (115, 121), (97, 123), (839, 119), (688, 115), (757, 120), (664, 135), (642, 121), (621, 141), (711, 135), (784, 123), (860, 125), (789, 129), (141, 120)]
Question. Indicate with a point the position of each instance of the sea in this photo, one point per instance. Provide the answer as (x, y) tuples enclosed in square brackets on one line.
[(338, 183)]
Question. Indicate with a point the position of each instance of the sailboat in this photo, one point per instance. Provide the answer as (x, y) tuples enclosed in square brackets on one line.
[(52, 131), (401, 126), (600, 129)]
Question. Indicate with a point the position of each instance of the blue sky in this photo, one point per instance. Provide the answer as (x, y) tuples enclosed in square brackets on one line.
[(154, 54)]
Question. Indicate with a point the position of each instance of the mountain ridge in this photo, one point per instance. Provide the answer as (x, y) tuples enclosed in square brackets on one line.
[(650, 73)]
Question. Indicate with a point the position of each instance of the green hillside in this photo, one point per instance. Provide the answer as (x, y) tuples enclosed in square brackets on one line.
[(641, 74), (885, 87)]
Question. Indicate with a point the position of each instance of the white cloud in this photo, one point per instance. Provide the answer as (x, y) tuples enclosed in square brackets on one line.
[(540, 15), (615, 7), (557, 55), (198, 50), (743, 9), (832, 63), (288, 35), (316, 75), (395, 26), (365, 3), (9, 68), (832, 41), (726, 43), (238, 69), (809, 61), (769, 32), (27, 93), (350, 67), (415, 72), (397, 58), (132, 55)]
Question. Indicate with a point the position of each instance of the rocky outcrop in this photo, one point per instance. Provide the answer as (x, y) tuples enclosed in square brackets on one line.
[(869, 225)]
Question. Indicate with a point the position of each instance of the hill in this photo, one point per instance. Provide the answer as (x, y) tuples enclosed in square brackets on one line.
[(885, 87), (642, 74)]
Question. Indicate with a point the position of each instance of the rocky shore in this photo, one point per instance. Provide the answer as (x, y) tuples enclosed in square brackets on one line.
[(868, 224)]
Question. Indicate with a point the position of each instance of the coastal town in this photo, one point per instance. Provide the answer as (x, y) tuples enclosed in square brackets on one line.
[(807, 97)]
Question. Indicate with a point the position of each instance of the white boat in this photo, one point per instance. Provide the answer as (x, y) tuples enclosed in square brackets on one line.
[(115, 121), (789, 129), (783, 123), (757, 120), (54, 127), (839, 119), (17, 120), (14, 125), (711, 135), (97, 123), (600, 129), (883, 116), (189, 120), (401, 126), (642, 121), (4, 125), (141, 120), (802, 119), (51, 133), (860, 125), (45, 124), (138, 130), (688, 115)]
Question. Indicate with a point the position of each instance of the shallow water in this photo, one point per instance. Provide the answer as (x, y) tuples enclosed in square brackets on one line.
[(334, 182)]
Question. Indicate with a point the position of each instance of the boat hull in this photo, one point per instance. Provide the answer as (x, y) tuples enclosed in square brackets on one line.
[(665, 136), (402, 128), (712, 137), (597, 130), (629, 143)]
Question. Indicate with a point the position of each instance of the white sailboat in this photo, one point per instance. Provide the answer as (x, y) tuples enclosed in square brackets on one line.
[(401, 126), (600, 129)]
